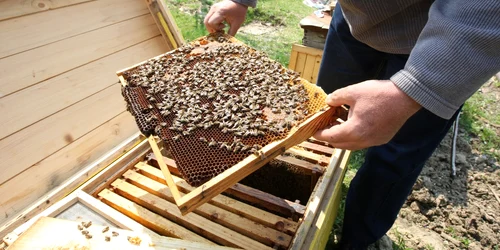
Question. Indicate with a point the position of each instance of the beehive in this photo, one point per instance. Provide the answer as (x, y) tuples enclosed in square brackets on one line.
[(216, 101)]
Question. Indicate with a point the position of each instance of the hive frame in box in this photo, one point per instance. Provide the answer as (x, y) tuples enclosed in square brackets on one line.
[(234, 174)]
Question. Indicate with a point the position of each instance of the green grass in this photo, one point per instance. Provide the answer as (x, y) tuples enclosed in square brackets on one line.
[(284, 15), (480, 117), (399, 243)]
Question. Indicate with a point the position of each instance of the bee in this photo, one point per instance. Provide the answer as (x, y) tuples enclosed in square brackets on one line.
[(107, 238), (105, 229), (203, 139), (88, 236), (163, 124), (88, 224), (85, 232), (80, 227), (175, 138), (114, 234), (212, 143)]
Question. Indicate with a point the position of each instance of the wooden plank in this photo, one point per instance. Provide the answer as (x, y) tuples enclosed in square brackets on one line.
[(60, 24), (41, 100), (317, 64), (164, 169), (17, 8), (306, 167), (301, 63), (309, 67), (33, 66), (148, 218), (231, 176), (38, 208), (318, 234), (169, 19), (307, 50), (248, 194), (266, 201), (293, 60), (194, 222), (235, 206), (310, 156), (54, 170), (51, 233), (153, 10), (315, 200), (317, 148), (28, 146), (228, 219)]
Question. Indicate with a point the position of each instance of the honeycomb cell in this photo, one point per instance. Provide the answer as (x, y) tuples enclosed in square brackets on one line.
[(225, 92)]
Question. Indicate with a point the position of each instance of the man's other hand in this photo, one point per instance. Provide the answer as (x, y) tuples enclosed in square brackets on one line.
[(232, 13), (378, 109)]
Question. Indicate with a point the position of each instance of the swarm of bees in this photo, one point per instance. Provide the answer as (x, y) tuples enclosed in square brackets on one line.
[(230, 87), (83, 226), (219, 99)]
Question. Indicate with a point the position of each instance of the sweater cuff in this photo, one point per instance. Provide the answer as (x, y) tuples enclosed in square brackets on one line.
[(423, 95), (249, 3)]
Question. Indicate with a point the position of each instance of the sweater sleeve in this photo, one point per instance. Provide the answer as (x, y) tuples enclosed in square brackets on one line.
[(249, 3), (457, 51)]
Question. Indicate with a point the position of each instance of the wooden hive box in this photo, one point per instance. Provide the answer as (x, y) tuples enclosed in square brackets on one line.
[(66, 156)]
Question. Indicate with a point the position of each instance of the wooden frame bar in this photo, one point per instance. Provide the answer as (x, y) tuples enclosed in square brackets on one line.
[(166, 23), (234, 174)]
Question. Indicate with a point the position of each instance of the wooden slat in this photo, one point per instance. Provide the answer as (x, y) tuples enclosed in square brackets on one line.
[(237, 207), (319, 234), (309, 67), (310, 156), (56, 168), (36, 65), (194, 222), (28, 146), (293, 60), (22, 34), (317, 64), (228, 219), (252, 195), (148, 218), (116, 156), (317, 148), (307, 50), (169, 19), (301, 63), (41, 100), (266, 200), (314, 202), (49, 232), (17, 8), (305, 166), (233, 175)]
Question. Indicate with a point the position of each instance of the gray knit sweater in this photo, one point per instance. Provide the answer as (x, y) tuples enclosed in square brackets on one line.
[(454, 45)]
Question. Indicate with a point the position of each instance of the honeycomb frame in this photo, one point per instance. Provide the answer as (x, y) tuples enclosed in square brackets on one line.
[(320, 118)]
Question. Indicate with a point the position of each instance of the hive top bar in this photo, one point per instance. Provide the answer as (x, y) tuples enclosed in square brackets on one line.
[(215, 101)]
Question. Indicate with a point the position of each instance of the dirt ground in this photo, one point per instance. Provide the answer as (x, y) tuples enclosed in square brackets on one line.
[(446, 212)]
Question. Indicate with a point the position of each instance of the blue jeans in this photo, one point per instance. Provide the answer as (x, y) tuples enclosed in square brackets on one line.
[(384, 181)]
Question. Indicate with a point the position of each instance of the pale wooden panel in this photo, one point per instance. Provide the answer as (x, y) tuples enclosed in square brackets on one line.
[(301, 62), (317, 64), (32, 31), (293, 60), (41, 100), (30, 67), (308, 68), (31, 184), (30, 145), (16, 8)]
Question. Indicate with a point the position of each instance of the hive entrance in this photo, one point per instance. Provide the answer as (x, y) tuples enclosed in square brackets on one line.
[(215, 102)]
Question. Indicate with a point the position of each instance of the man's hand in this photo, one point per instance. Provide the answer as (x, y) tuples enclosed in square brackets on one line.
[(233, 13), (378, 109)]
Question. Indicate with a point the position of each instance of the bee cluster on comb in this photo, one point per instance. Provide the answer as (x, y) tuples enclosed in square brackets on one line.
[(216, 101)]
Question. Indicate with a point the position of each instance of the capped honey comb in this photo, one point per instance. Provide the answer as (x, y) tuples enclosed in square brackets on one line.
[(215, 101)]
